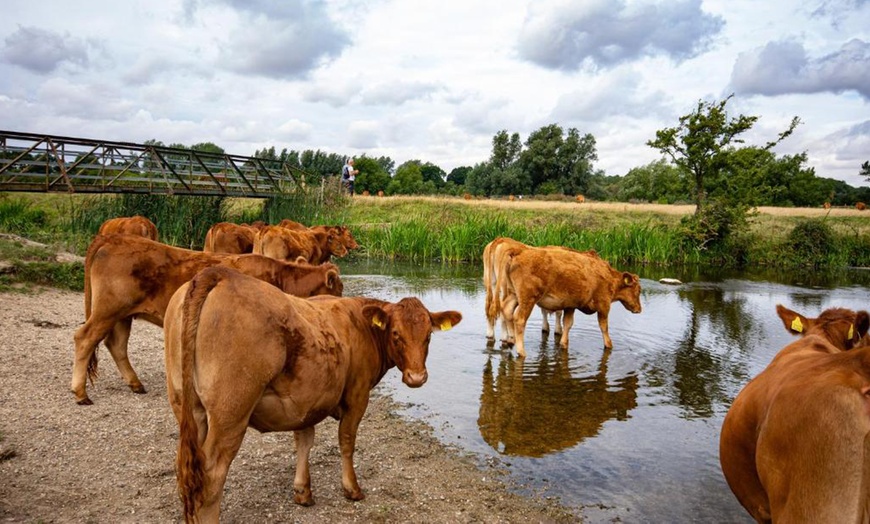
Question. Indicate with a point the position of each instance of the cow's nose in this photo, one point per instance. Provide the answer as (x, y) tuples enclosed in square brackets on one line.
[(415, 380)]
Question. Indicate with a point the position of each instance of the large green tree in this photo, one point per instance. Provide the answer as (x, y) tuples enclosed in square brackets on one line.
[(505, 149), (372, 176), (703, 139), (556, 163)]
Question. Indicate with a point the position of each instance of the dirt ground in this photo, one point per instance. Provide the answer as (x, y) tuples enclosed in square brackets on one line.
[(114, 461)]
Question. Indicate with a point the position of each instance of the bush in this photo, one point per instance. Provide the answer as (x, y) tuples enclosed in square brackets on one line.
[(812, 240)]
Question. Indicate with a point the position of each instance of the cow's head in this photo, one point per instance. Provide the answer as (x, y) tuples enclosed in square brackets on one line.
[(407, 327), (628, 292), (841, 327), (335, 244), (346, 237)]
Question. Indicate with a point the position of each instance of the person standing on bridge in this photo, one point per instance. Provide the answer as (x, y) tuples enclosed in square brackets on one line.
[(348, 175)]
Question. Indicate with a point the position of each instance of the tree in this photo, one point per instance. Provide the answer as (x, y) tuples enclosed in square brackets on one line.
[(458, 175), (434, 174), (700, 143), (408, 179), (372, 177), (505, 149), (556, 163), (658, 181), (865, 170)]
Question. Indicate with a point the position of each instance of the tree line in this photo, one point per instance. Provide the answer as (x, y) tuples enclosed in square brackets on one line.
[(703, 158)]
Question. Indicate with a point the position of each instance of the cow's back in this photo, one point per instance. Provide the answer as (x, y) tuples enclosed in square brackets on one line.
[(135, 225), (227, 237)]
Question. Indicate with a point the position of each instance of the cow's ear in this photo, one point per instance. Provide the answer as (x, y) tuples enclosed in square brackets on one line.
[(794, 322), (862, 323), (445, 320), (628, 279), (376, 316), (332, 279)]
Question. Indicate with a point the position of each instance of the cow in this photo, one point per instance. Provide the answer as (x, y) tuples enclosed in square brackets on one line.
[(342, 232), (240, 353), (562, 279), (795, 444), (129, 277), (493, 256), (227, 237), (290, 244), (134, 225)]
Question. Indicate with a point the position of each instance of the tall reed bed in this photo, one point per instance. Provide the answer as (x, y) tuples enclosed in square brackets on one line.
[(181, 220), (462, 239)]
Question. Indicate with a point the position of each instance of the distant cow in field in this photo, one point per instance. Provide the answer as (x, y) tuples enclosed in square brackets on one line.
[(795, 444), (240, 353), (135, 225), (129, 277), (580, 199), (562, 279), (860, 206), (380, 193)]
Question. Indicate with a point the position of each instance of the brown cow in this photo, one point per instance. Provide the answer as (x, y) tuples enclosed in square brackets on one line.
[(129, 277), (135, 225), (563, 279), (342, 232), (227, 237), (239, 354), (281, 243), (493, 260), (795, 444)]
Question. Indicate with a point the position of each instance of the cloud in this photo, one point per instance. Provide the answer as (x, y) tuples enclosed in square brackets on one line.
[(43, 51), (363, 134), (783, 67), (281, 39), (397, 93), (603, 33), (613, 96)]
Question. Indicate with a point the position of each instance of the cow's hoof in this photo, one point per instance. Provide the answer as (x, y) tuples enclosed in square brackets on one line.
[(303, 498), (85, 402), (138, 389), (355, 495)]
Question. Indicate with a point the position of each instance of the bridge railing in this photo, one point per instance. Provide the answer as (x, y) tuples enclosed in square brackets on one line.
[(46, 163)]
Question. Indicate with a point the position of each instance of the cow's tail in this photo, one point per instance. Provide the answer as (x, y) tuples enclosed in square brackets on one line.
[(487, 281), (98, 242), (190, 459), (864, 497)]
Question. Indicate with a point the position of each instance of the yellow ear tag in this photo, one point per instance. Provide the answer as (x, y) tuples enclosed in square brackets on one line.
[(377, 322), (851, 331), (796, 325), (446, 325)]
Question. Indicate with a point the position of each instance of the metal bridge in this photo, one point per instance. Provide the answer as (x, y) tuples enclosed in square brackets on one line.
[(45, 163)]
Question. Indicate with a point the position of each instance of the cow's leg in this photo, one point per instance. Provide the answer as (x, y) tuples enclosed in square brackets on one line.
[(86, 339), (521, 316), (559, 329), (568, 320), (302, 481), (602, 323), (347, 442), (220, 448), (545, 324), (117, 343), (508, 312)]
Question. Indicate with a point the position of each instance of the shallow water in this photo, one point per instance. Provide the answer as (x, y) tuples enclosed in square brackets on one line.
[(631, 433)]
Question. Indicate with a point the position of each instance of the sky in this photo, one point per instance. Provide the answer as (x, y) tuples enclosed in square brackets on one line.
[(436, 80)]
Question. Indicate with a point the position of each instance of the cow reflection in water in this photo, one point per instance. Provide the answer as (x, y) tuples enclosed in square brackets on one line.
[(531, 409)]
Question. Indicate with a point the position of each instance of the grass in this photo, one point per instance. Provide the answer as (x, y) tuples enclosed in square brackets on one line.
[(452, 230)]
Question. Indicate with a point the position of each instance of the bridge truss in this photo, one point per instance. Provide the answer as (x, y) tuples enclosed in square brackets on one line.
[(46, 163)]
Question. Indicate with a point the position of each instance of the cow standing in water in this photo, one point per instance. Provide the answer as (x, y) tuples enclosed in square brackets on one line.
[(562, 279), (795, 444), (240, 353)]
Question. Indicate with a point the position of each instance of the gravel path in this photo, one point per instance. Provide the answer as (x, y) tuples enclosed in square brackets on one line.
[(113, 461)]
